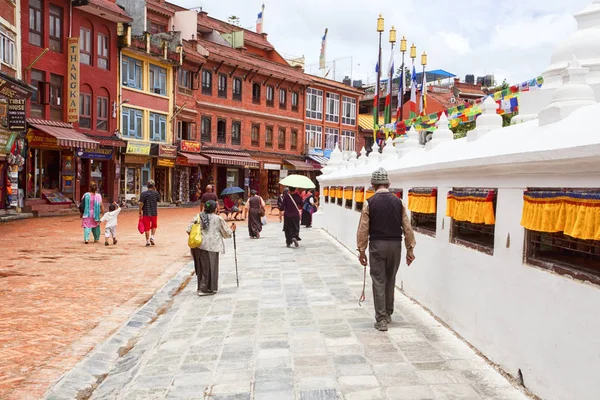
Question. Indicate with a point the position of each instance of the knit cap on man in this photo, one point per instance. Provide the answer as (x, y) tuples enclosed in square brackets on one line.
[(380, 177)]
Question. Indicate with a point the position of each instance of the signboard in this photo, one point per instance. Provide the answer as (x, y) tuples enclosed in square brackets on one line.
[(190, 147), (283, 173), (138, 148), (165, 150), (16, 114), (315, 151), (165, 162), (246, 182), (183, 161), (102, 153), (73, 81), (41, 140), (136, 160), (274, 167)]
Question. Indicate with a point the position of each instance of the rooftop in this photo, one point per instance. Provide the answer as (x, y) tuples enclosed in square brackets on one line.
[(339, 85)]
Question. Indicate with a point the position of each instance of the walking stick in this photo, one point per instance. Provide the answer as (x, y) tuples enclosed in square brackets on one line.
[(236, 267)]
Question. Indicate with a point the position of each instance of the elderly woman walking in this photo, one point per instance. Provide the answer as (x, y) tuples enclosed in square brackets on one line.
[(292, 204), (255, 206), (92, 208), (206, 257)]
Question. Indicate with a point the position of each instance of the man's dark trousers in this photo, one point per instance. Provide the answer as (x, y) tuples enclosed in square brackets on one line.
[(384, 261)]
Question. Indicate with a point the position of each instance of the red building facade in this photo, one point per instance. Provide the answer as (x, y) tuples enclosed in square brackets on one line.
[(66, 158)]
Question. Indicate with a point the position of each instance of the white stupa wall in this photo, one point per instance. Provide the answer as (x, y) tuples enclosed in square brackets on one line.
[(522, 317)]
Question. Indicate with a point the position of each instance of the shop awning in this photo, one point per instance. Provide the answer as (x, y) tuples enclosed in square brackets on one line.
[(64, 133), (320, 159), (300, 165), (195, 159), (231, 158)]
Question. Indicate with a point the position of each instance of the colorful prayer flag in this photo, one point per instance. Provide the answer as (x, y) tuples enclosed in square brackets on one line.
[(423, 108), (376, 106), (387, 116), (323, 47), (259, 20), (412, 104)]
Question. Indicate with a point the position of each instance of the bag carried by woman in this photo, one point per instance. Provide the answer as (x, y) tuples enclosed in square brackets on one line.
[(195, 236)]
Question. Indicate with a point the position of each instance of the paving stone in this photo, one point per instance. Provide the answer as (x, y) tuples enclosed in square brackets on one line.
[(323, 394), (458, 391), (409, 393)]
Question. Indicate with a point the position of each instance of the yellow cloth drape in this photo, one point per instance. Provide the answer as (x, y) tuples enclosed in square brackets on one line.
[(424, 203), (325, 191), (339, 193), (348, 192), (370, 193), (359, 195), (471, 208), (575, 214)]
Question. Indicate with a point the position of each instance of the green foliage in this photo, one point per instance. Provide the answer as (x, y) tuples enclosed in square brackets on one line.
[(406, 75)]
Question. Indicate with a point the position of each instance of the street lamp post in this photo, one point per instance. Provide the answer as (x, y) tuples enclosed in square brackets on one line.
[(388, 111), (402, 77), (380, 29)]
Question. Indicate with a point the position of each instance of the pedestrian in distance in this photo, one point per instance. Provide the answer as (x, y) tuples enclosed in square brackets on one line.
[(292, 204), (9, 192), (382, 223), (308, 209), (256, 210), (110, 229), (208, 195), (91, 210), (149, 211), (231, 207), (280, 202), (206, 257)]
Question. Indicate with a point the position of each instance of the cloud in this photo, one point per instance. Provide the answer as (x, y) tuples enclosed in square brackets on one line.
[(511, 39)]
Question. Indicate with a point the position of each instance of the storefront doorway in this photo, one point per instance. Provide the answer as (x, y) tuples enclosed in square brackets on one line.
[(161, 180)]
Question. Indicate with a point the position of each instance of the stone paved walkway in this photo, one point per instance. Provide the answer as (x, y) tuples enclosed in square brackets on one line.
[(294, 330)]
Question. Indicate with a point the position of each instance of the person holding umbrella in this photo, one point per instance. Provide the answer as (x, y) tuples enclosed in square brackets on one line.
[(292, 204)]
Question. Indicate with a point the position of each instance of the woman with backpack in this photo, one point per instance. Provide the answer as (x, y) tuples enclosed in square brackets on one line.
[(213, 229)]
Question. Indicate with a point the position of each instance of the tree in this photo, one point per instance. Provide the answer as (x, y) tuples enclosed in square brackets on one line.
[(406, 75), (234, 20)]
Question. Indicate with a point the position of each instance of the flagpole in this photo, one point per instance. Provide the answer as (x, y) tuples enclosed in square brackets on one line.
[(423, 83), (380, 29), (402, 78)]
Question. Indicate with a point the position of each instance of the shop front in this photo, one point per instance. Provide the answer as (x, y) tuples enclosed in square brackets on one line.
[(136, 170), (231, 168), (270, 177), (164, 163), (98, 167), (188, 175), (53, 169)]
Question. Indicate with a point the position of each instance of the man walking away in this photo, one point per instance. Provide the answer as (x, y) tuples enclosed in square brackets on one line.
[(208, 195), (382, 222), (149, 211)]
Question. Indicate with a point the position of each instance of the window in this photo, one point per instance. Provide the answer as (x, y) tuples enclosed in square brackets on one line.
[(154, 27), (348, 138), (282, 98), (332, 136), (269, 137), (85, 45), (206, 81), (55, 31), (186, 130), (85, 110), (237, 88), (103, 43), (255, 138), (7, 47), (158, 80), (294, 140), (221, 131), (332, 113), (478, 236), (56, 94), (132, 123), (35, 22), (314, 103), (102, 113), (236, 133), (37, 98), (131, 73), (558, 251), (348, 111), (222, 85), (281, 139), (256, 93), (185, 81), (422, 218), (294, 101), (270, 95), (158, 127), (205, 129), (314, 135)]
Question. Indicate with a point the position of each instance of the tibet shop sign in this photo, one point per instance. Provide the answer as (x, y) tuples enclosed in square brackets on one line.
[(142, 149), (190, 147), (14, 95), (103, 153), (73, 81)]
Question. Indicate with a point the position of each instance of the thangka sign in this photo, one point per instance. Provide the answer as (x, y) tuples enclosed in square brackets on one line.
[(73, 81)]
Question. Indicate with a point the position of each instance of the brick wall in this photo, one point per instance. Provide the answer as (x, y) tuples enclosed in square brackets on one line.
[(7, 12)]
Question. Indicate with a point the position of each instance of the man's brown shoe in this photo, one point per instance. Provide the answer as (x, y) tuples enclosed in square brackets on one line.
[(381, 325)]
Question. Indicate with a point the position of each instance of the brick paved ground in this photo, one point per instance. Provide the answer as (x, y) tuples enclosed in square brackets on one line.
[(292, 330), (60, 297)]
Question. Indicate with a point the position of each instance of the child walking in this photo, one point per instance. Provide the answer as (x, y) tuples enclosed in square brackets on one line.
[(111, 223)]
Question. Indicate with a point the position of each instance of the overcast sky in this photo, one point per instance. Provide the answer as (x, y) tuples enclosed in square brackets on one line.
[(511, 39)]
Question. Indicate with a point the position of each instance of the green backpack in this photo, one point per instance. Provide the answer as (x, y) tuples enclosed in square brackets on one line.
[(195, 238)]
